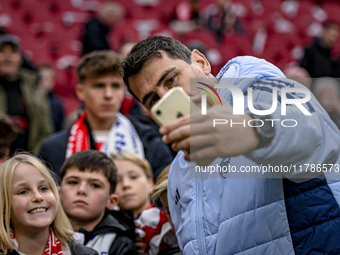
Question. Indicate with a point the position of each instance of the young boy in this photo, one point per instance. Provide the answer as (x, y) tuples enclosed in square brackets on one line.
[(88, 181), (101, 126)]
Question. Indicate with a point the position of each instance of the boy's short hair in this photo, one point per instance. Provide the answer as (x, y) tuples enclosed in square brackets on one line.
[(7, 133), (93, 161), (137, 160), (97, 64)]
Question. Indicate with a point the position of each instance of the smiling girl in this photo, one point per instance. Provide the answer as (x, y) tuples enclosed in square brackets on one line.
[(33, 221)]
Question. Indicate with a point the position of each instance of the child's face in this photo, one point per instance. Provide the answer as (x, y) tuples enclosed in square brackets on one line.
[(102, 96), (85, 195), (133, 187), (34, 205)]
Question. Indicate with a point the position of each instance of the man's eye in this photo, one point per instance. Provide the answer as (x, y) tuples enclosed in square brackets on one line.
[(98, 86), (171, 80), (72, 182), (153, 101)]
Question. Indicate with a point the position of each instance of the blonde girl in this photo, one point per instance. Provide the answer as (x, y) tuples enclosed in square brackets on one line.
[(33, 221)]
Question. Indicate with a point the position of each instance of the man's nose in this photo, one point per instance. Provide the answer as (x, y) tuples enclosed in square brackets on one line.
[(161, 91)]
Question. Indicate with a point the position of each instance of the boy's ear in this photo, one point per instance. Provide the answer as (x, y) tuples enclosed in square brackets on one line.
[(201, 61), (113, 201), (79, 89)]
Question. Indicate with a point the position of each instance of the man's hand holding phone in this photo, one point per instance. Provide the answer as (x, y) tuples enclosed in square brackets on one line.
[(197, 131)]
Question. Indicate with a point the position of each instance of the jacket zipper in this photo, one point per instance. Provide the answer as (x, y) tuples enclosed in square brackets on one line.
[(199, 215)]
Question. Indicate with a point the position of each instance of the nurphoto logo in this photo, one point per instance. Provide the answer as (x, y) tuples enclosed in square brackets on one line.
[(287, 97)]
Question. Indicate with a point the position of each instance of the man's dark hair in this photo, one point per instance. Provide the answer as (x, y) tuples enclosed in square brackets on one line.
[(7, 134), (149, 48), (98, 64), (93, 161)]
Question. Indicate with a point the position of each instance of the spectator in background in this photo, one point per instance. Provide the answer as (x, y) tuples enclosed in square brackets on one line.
[(185, 17), (299, 74), (26, 63), (221, 19), (101, 126), (97, 28), (21, 99), (126, 48), (47, 83), (7, 136), (317, 58), (327, 91)]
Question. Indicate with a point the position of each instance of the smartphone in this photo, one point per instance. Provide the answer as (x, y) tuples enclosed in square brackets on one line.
[(175, 104)]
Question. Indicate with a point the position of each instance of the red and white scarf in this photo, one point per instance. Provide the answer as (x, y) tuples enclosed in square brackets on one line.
[(156, 230), (53, 246), (122, 137)]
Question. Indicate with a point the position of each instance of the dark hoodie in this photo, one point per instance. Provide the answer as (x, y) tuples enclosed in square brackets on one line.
[(119, 224), (317, 60)]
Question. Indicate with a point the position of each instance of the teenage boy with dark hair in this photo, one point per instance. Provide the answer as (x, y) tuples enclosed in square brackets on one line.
[(88, 181), (101, 126)]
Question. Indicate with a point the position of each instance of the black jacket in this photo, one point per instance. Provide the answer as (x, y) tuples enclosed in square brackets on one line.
[(57, 110), (317, 60), (53, 149), (76, 249), (123, 244), (95, 36)]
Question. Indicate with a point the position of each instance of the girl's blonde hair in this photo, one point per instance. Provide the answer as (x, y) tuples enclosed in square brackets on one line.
[(161, 184), (61, 225), (137, 160)]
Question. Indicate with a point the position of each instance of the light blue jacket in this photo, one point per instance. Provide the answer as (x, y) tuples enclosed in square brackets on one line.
[(262, 215)]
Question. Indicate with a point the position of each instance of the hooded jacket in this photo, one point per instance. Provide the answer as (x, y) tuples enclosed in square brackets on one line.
[(272, 213), (37, 108), (109, 237)]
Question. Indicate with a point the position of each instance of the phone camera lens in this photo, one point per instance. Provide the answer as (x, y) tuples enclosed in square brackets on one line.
[(158, 112)]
